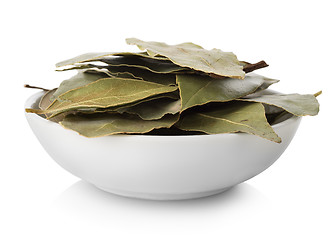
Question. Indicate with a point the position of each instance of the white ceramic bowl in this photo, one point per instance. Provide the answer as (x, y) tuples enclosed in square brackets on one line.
[(161, 167)]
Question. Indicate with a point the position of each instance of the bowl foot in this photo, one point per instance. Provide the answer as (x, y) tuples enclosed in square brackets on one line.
[(164, 197)]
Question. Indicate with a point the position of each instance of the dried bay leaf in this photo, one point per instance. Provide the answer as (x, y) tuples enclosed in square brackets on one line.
[(97, 125), (109, 74), (193, 56), (198, 90), (280, 117), (94, 56), (141, 54), (117, 109), (266, 83), (185, 45), (272, 110), (172, 131), (106, 92), (83, 58), (296, 104), (83, 66), (155, 109), (169, 90), (45, 101), (128, 72), (79, 80), (171, 95), (165, 79), (152, 65), (232, 117), (101, 70)]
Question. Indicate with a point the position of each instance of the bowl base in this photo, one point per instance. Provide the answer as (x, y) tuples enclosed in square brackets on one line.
[(164, 197)]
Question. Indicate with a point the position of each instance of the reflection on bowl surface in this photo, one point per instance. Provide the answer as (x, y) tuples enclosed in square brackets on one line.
[(161, 167)]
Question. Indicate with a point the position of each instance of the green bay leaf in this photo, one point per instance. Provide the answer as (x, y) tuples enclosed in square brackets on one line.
[(192, 56), (231, 118), (97, 125)]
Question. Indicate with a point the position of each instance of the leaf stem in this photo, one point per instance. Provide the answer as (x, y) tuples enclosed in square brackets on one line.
[(28, 86), (250, 67)]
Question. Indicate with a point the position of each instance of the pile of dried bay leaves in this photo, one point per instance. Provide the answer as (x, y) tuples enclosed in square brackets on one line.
[(169, 89)]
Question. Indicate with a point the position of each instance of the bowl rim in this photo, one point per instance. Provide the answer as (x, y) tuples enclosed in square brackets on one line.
[(33, 98)]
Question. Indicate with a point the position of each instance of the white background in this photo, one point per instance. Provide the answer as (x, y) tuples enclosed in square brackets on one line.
[(40, 200)]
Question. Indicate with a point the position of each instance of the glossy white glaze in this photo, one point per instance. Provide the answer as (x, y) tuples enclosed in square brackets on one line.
[(161, 167)]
